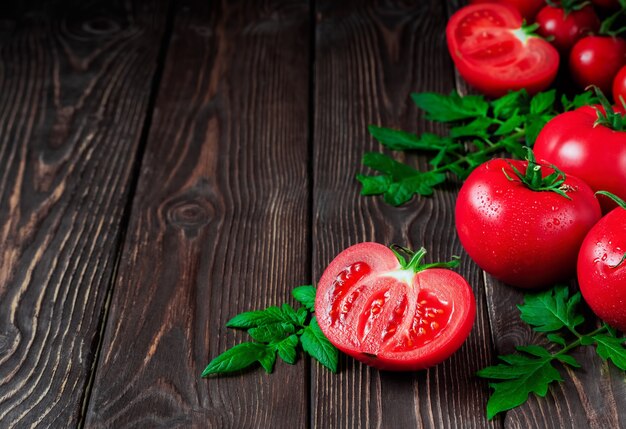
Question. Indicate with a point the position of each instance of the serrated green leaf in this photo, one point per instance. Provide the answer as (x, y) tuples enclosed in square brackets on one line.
[(569, 360), (271, 332), (402, 140), (268, 360), (511, 124), (587, 98), (373, 185), (290, 314), (510, 104), (389, 166), (252, 319), (477, 128), (317, 345), (449, 108), (305, 295), (534, 125), (534, 378), (609, 347), (287, 349), (551, 310), (236, 358), (543, 102), (556, 338)]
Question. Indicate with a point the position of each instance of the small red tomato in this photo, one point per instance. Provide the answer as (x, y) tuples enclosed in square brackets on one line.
[(602, 268), (524, 229), (592, 152), (619, 87), (595, 60), (527, 8), (495, 54), (391, 313), (566, 28)]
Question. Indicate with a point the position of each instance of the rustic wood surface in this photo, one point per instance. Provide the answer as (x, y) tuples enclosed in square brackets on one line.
[(165, 165)]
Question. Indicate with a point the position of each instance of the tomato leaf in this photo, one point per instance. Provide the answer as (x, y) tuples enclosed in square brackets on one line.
[(317, 345), (268, 360), (449, 108), (402, 140), (609, 347), (287, 349), (511, 124), (524, 375), (479, 127), (551, 310), (237, 358), (271, 332), (252, 319), (305, 295), (587, 98), (543, 102)]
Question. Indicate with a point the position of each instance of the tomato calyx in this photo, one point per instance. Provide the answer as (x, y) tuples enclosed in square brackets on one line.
[(412, 261), (533, 179), (607, 116), (569, 6)]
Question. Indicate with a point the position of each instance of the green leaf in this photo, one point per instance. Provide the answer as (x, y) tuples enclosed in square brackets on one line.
[(569, 360), (290, 314), (510, 125), (556, 338), (305, 295), (525, 376), (534, 125), (271, 332), (543, 102), (389, 166), (402, 140), (449, 108), (510, 104), (535, 350), (587, 98), (236, 358), (268, 360), (609, 347), (317, 345), (287, 349), (479, 127), (373, 185), (551, 310), (252, 319)]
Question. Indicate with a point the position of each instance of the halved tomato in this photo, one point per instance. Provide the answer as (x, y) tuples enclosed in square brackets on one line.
[(495, 54), (392, 313)]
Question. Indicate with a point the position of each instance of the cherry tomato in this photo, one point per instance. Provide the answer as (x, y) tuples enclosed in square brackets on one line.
[(527, 8), (619, 87), (593, 153), (393, 314), (524, 237), (595, 60), (494, 54), (602, 268), (566, 28)]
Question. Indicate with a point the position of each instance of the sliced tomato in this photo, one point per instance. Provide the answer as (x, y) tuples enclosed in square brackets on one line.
[(495, 54), (379, 310)]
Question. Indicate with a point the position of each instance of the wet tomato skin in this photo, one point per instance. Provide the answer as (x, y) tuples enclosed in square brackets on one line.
[(595, 60), (566, 29), (390, 318), (525, 238), (601, 277)]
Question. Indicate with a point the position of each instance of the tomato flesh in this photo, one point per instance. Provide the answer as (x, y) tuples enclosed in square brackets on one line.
[(389, 317), (493, 54)]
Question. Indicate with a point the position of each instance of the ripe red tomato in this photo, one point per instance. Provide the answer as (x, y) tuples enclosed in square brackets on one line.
[(566, 29), (527, 8), (593, 153), (494, 54), (602, 268), (595, 60), (392, 314), (525, 238), (619, 87)]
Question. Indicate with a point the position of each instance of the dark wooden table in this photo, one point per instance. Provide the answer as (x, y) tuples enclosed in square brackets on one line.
[(166, 165)]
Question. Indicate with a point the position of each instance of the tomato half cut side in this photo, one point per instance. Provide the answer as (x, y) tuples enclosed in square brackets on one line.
[(389, 316), (495, 54)]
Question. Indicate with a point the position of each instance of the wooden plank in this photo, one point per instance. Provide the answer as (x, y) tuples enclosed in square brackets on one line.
[(369, 57), (594, 396), (74, 88), (220, 224)]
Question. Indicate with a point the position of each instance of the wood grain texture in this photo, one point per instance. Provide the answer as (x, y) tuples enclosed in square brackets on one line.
[(369, 57), (220, 224), (74, 85), (593, 397)]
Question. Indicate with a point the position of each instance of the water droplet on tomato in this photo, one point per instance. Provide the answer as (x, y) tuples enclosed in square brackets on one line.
[(604, 257), (556, 221)]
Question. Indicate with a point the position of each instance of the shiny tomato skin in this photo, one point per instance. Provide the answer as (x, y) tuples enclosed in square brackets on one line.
[(595, 60), (595, 154), (601, 277), (619, 87), (566, 29), (486, 44), (527, 8), (525, 238), (372, 309)]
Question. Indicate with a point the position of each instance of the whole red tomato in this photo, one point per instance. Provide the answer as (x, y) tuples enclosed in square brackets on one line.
[(391, 313), (566, 27), (592, 152), (619, 87), (595, 60), (525, 237), (494, 54), (602, 268), (527, 8)]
